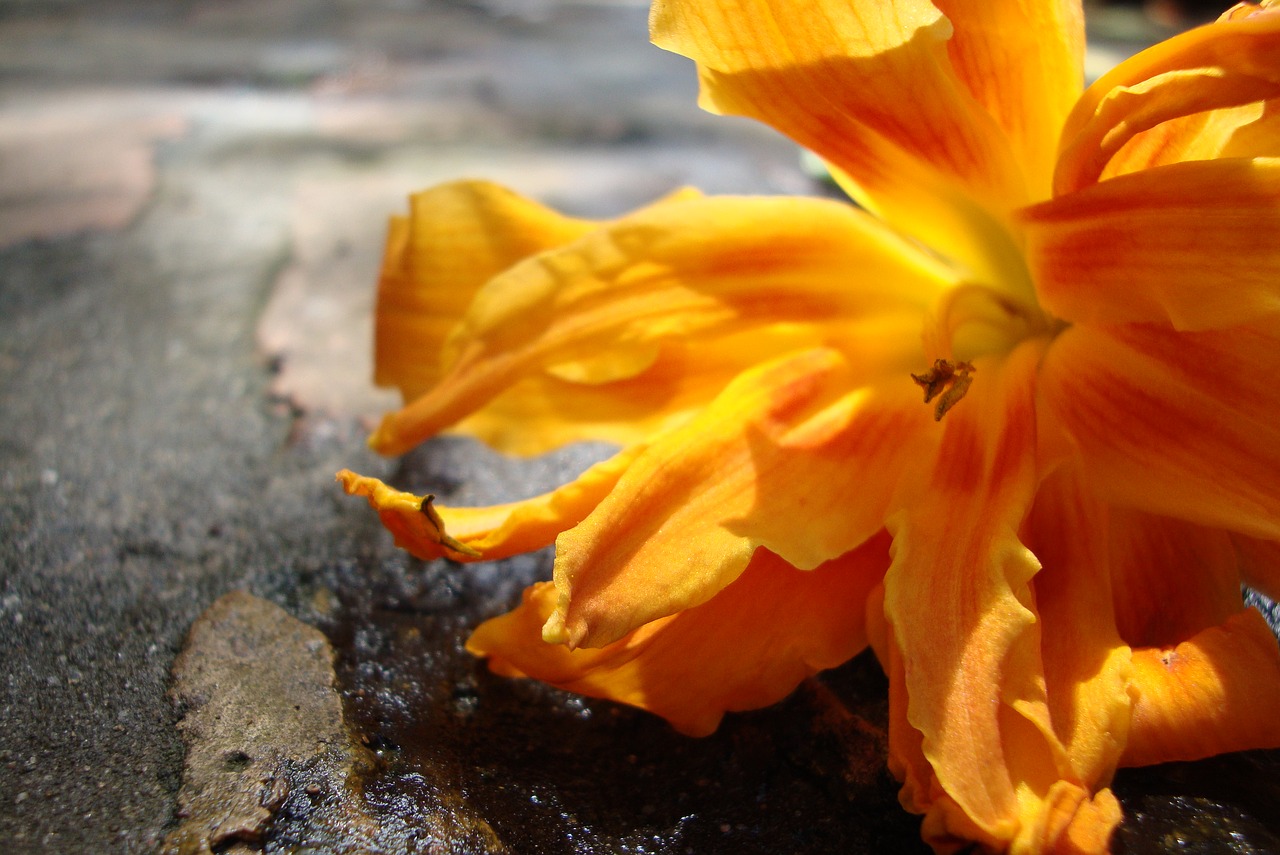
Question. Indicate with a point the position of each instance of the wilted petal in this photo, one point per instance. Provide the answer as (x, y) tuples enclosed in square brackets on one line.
[(1218, 691), (1177, 424), (598, 310), (1219, 66), (795, 456), (473, 534), (959, 600), (747, 647), (1192, 244)]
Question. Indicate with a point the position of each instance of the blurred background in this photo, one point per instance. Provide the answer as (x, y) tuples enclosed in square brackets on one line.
[(192, 205)]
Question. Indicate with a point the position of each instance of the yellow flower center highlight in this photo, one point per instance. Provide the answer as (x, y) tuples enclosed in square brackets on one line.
[(970, 321)]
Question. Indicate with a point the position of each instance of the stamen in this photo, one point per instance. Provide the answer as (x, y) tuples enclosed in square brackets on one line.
[(947, 381)]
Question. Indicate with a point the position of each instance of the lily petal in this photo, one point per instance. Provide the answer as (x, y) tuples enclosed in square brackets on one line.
[(542, 412), (1216, 692), (1196, 568), (1024, 62), (599, 309), (487, 534), (907, 762), (1259, 565), (869, 87), (1176, 424), (456, 237), (747, 647), (1249, 130), (1069, 821), (1086, 660), (796, 456), (959, 600), (1198, 244), (1222, 65)]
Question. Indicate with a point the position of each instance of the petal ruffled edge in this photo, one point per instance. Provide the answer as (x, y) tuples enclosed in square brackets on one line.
[(793, 438), (747, 647), (599, 310), (959, 603)]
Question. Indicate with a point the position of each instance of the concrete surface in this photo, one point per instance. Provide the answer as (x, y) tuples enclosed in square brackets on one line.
[(170, 175)]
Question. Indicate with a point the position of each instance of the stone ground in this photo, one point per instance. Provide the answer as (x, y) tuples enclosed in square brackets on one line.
[(192, 199)]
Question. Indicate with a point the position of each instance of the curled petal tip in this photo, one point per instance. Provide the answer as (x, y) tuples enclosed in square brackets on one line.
[(385, 441), (433, 518), (413, 520), (1246, 10), (554, 631)]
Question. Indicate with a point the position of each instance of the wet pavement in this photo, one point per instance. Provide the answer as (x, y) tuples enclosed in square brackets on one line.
[(192, 203)]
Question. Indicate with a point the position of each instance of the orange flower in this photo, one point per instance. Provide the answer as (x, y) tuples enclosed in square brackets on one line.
[(1048, 557)]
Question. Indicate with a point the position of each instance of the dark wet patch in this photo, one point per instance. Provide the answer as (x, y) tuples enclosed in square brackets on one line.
[(555, 773)]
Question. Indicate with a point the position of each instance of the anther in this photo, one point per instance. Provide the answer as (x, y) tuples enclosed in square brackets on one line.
[(947, 381)]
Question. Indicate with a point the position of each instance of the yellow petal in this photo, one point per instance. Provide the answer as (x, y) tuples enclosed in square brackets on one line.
[(1177, 424), (959, 600), (1249, 130), (599, 309), (1192, 244), (1086, 659), (907, 762), (471, 534), (867, 86), (794, 456), (1216, 692), (1220, 66), (1075, 822), (747, 647), (456, 237), (1067, 820), (1024, 62), (542, 412), (978, 245)]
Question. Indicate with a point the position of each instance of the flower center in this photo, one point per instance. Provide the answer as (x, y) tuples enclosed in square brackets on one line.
[(947, 381), (971, 321)]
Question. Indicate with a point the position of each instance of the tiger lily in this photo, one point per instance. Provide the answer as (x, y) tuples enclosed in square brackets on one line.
[(1047, 555)]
